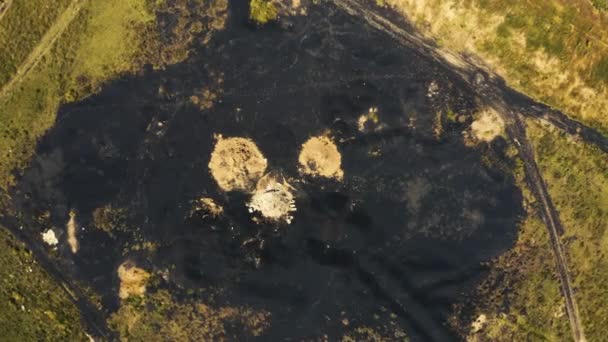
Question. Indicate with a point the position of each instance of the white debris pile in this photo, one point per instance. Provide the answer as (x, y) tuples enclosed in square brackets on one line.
[(50, 238), (487, 126), (273, 199)]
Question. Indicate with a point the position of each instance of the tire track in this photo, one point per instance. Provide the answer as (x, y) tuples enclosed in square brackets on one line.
[(491, 89), (4, 8), (45, 45)]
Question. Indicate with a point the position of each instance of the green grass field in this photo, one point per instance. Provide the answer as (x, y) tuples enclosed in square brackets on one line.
[(16, 42)]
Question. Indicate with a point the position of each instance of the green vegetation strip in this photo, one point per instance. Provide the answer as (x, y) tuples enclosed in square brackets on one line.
[(33, 306), (577, 179), (521, 298), (262, 11)]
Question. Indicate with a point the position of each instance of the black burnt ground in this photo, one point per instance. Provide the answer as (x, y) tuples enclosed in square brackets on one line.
[(404, 233)]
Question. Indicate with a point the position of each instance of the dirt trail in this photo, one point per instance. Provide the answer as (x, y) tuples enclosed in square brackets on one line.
[(45, 45), (490, 88), (551, 219), (4, 8)]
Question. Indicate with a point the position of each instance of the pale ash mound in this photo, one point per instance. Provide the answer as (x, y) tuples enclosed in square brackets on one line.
[(236, 164), (320, 157), (132, 280), (273, 199), (71, 228), (487, 126)]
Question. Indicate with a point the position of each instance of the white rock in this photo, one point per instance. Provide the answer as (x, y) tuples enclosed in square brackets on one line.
[(50, 238)]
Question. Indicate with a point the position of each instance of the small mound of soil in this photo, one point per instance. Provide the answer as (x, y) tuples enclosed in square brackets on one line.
[(488, 126), (320, 157), (236, 164)]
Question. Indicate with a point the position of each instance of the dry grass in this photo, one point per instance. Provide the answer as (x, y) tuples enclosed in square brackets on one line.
[(208, 207), (554, 50), (132, 280), (161, 317)]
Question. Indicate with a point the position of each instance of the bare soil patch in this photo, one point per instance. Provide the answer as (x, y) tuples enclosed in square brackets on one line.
[(487, 126), (320, 157), (237, 164)]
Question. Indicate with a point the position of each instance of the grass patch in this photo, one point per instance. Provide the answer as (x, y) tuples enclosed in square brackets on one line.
[(99, 44), (108, 46), (262, 11), (577, 179), (553, 50), (160, 317), (600, 4), (521, 296), (600, 70), (34, 307), (16, 42)]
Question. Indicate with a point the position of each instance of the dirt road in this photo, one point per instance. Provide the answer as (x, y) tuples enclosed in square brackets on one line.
[(45, 45), (491, 89)]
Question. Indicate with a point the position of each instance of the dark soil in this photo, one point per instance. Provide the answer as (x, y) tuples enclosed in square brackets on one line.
[(356, 247)]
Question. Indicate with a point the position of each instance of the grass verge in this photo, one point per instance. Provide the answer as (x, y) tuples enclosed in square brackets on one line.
[(577, 179), (34, 307), (521, 298), (16, 42)]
